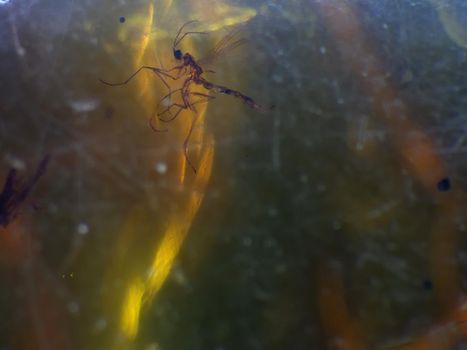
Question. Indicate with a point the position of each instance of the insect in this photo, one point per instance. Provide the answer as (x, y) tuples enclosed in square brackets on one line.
[(15, 192), (191, 72)]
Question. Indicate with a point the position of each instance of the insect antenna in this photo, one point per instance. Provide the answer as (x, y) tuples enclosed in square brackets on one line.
[(180, 35), (226, 45)]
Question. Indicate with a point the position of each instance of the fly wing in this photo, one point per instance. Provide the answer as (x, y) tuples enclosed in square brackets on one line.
[(228, 43)]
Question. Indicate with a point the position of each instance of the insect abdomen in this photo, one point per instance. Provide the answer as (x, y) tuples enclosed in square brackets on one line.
[(225, 90)]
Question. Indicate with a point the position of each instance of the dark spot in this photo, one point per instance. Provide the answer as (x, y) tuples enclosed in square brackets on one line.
[(444, 185), (178, 54), (15, 191), (228, 91), (427, 284), (109, 112), (249, 100), (122, 19)]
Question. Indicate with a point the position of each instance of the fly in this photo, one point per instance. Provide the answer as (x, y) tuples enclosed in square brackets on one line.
[(191, 71)]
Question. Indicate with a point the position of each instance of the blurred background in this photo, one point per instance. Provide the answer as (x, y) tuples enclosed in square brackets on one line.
[(331, 218)]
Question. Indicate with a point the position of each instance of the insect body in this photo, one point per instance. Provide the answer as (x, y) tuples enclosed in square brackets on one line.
[(191, 71), (194, 70)]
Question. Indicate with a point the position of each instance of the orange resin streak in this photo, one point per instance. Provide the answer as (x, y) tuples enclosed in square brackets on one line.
[(417, 151), (344, 332)]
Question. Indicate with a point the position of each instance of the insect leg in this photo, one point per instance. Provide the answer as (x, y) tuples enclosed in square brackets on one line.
[(206, 98), (180, 68), (167, 110), (151, 124), (154, 69), (168, 95), (187, 140)]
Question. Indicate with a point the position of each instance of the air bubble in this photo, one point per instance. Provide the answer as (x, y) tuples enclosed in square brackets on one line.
[(82, 229), (161, 167)]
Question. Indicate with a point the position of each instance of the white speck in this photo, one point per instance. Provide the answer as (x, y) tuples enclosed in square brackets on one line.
[(52, 208), (340, 101), (382, 209), (269, 243), (336, 225), (4, 2), (278, 78), (84, 105), (378, 83), (180, 277), (15, 162), (161, 167), (166, 102), (100, 324), (394, 107), (247, 241), (321, 188), (73, 308), (152, 346), (407, 76), (82, 229), (323, 50), (20, 51), (385, 26), (272, 212), (280, 268)]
